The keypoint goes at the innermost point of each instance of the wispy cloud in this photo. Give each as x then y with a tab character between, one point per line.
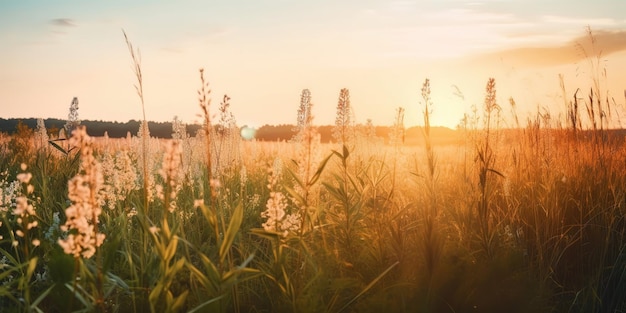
604	43
556	19
432	32
63	22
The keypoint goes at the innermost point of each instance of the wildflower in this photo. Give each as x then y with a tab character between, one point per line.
144	150
159	192
32	224
85	194
120	177
108	172
24	177
132	212
41	135
342	132
170	171
179	130
8	194
277	219
291	223
56	221
154	230
215	185
254	200
22	207
23	210
72	117
36	242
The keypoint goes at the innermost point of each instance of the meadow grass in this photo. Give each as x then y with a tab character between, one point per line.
545	234
530	219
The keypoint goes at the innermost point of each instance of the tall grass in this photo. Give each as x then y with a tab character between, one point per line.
529	219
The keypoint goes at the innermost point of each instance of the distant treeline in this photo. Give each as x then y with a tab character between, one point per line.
282	132
98	128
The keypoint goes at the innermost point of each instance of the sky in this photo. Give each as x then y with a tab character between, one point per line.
263	53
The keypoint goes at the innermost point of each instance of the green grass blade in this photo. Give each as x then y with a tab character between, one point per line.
200	307
231	232
368	287
55	145
43	295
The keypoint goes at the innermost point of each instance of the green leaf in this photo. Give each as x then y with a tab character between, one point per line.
171	249
7	293
115	281
203	279
200	307
180	300
169	301
240	270
43	295
32	263
369	286
210	216
319	171
247	261
271	235
7	272
177	267
295	177
212	272
294	194
155	294
231	232
9	257
111	246
54	144
77	294
233	276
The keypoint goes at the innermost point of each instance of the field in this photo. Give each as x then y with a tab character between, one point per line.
529	219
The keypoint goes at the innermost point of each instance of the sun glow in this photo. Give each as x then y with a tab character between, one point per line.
380	50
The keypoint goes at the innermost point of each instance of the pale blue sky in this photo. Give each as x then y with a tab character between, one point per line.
263	53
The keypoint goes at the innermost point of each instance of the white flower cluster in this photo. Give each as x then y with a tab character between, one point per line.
308	158
53	230
277	219
85	193
8	193
41	136
170	171
120	177
151	154
189	145
24	211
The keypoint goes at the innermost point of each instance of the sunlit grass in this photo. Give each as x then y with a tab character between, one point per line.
530	219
